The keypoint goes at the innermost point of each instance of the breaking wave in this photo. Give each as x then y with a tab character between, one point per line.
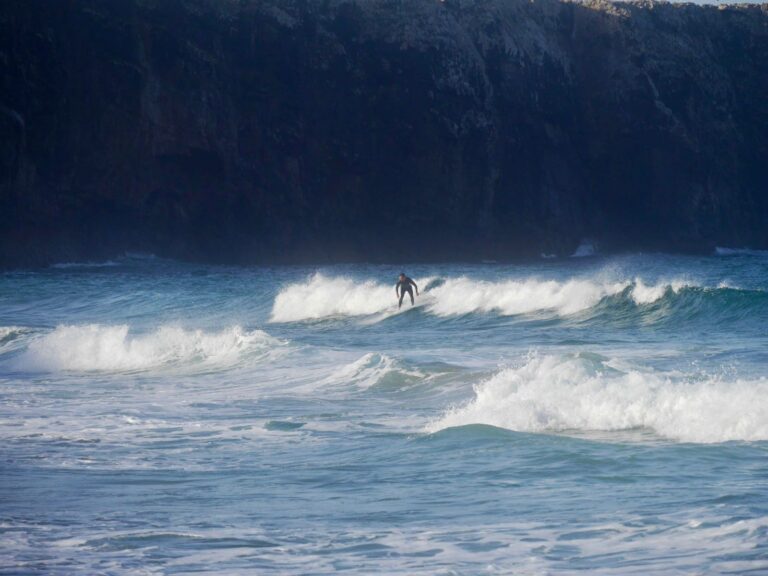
581	393
95	347
642	293
321	297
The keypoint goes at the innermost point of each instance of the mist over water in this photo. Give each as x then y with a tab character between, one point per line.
589	415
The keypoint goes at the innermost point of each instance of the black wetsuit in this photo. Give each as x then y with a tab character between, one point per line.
404	286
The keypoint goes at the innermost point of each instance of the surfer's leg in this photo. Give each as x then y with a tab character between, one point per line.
410	293
402	295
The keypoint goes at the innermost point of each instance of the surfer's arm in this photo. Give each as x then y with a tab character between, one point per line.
417	288
397	289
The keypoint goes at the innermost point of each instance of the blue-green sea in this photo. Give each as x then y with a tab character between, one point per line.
597	415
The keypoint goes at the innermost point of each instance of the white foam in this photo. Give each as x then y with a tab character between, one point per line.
111	348
573	393
463	296
323	297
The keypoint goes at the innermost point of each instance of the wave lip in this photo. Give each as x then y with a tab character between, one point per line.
558	394
95	347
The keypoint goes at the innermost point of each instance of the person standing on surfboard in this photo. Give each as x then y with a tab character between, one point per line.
404	285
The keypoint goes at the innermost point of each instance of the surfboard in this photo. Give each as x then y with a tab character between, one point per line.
392	311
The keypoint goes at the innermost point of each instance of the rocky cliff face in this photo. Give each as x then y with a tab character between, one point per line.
316	130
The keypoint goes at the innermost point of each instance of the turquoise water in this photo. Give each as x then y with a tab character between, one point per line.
591	416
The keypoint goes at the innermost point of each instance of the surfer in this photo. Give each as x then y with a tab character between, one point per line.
404	285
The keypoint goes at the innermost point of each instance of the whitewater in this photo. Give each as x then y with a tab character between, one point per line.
592	415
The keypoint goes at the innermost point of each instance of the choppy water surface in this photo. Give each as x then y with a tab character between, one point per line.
600	416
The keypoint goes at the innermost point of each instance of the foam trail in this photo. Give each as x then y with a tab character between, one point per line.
70	265
323	297
574	393
464	296
720	251
142	256
111	348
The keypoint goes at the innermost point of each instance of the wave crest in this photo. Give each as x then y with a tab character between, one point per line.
95	347
551	394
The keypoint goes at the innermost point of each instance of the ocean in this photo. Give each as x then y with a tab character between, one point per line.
597	415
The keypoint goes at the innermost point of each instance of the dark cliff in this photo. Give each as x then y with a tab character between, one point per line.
285	130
